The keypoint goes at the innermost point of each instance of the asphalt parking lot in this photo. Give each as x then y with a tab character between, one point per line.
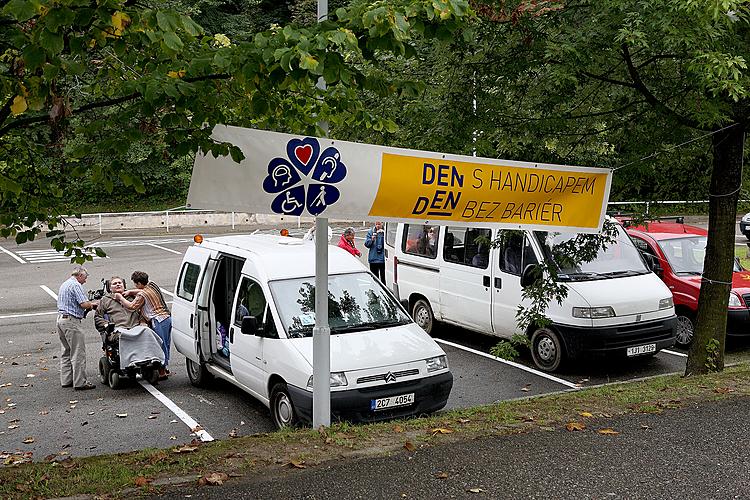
37	416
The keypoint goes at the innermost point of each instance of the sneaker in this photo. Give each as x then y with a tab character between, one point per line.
85	387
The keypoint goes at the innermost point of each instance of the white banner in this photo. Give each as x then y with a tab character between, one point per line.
296	175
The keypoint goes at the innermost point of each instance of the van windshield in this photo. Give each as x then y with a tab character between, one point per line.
686	255
356	302
619	258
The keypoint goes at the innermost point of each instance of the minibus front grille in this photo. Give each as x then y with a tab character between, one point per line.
382	376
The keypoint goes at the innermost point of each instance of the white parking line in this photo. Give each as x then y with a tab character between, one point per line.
19	259
27	315
164	248
194	426
511	363
675	353
50	292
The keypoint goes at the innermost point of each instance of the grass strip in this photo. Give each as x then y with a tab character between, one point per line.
129	474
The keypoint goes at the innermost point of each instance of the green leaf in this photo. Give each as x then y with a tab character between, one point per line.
57	17
167	21
53	42
99	252
236	154
190	26
21	238
34	57
173	41
259	104
7	184
22	10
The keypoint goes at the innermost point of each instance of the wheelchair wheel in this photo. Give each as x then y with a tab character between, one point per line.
115	381
104	370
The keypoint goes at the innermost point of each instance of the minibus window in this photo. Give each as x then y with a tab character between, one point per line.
468	247
356	302
390	234
188	281
421	240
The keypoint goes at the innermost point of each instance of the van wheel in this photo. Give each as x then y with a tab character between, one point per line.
422	314
114	379
198	374
684	330
547	350
103	370
282	407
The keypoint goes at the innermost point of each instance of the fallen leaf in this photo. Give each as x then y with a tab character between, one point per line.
608	432
233	433
409	446
197	428
644	426
30	375
214	479
12	427
8	384
441	430
151	417
121	415
24	385
73	402
142	481
463	420
398	428
442	475
90	413
475	490
575	426
28	440
525	388
723	390
85	422
73	407
527	418
173	421
297	464
172	437
184	449
586	414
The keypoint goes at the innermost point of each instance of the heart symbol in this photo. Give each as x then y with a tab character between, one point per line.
303	153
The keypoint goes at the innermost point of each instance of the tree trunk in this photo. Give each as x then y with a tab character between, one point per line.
707	351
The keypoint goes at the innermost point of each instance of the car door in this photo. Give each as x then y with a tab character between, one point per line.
511	256
464	277
246	349
185	313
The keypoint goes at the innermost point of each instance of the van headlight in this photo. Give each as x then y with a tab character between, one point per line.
436	363
593	312
666	303
338	379
734	300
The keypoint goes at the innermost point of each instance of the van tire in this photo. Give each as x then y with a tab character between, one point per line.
282	408
197	373
423	316
684	329
547	350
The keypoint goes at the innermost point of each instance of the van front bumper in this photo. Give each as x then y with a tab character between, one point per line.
595	342
430	395
738	322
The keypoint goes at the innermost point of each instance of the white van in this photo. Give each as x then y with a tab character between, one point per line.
615	304
244	311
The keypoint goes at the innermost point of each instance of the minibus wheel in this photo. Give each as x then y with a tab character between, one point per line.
547	349
684	330
197	373
282	407
422	314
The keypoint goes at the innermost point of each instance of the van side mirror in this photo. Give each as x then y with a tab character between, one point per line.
250	326
530	274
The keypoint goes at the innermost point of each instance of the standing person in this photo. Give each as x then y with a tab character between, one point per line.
376	256
150	301
71	307
347	242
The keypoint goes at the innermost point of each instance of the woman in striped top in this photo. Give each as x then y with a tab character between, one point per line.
150	302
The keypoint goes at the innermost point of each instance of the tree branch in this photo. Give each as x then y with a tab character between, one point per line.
603	78
651	98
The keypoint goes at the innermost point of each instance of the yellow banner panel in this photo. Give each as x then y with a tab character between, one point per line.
417	187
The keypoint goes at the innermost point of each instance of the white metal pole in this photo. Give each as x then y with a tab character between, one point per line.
100	223
167	212
321	332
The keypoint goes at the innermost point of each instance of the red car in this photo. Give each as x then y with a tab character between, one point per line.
675	251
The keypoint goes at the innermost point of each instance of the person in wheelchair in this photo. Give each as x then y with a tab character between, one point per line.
130	347
111	314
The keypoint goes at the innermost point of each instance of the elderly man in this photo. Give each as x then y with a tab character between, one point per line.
71	307
110	311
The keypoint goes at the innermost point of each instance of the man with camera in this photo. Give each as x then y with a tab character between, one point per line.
72	305
376	256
